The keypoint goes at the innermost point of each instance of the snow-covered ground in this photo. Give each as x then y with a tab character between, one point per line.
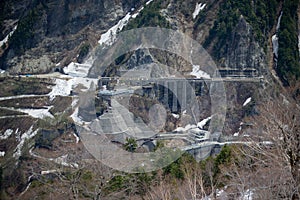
77	69
247	101
62	160
137	13
25	136
202	123
148	2
198	8
199	73
6	134
186	128
275	45
175	115
199	126
48	171
109	37
5	40
61	88
20	96
37	113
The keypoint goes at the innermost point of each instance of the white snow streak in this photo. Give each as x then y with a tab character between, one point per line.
76	137
198	8
109	37
202	123
186	128
37	113
176	115
25	136
275	37
62	160
275	45
6	134
5	40
247	101
137	13
77	69
199	73
62	88
148	2
48	171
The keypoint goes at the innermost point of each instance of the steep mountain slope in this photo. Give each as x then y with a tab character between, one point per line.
51	33
254	44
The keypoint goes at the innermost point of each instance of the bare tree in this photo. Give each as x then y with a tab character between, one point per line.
269	164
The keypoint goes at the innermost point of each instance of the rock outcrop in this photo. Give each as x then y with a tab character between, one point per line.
51	34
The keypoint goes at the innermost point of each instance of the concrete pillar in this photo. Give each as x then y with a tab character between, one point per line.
166	93
183	95
175	96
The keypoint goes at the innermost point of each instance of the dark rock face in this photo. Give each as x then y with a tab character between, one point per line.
52	32
243	51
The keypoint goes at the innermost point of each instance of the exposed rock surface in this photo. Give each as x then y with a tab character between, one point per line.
243	51
56	31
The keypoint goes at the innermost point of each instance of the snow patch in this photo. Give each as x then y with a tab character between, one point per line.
63	161
48	171
275	45
248	195
198	8
176	115
26	136
247	101
5	40
2	153
199	73
109	37
62	88
148	2
38	113
202	123
77	69
186	128
6	134
76	137
137	13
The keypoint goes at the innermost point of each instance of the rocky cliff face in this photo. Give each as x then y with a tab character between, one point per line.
51	34
242	50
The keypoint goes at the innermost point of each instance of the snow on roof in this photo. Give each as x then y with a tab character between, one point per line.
199	73
247	101
198	8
